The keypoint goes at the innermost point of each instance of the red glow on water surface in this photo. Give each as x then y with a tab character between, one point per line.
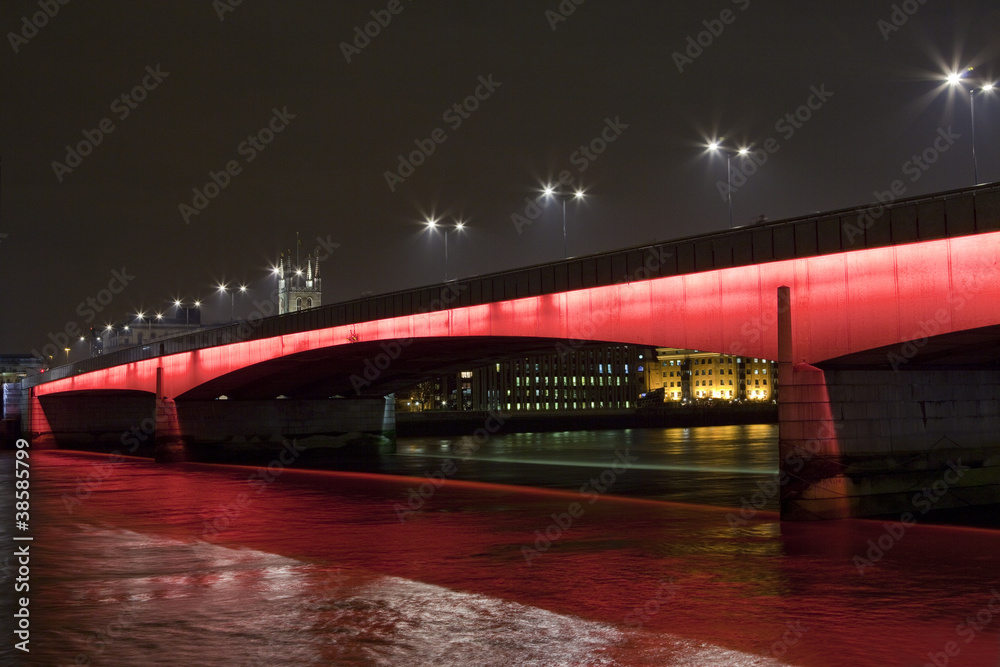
652	569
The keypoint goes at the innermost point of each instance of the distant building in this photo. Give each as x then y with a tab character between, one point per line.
298	288
15	367
143	331
588	378
686	375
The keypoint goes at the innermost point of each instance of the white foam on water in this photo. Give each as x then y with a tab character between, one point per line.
167	601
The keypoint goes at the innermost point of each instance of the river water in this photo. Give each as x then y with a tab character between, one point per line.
603	548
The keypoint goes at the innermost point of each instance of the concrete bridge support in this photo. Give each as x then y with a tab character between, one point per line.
171	431
881	442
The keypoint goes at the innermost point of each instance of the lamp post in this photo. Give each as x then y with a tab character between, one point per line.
550	191
232	299
187	310
715	146
432	224
243	290
459	226
955	79
140	316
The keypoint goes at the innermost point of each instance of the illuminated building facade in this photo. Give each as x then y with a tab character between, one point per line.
299	288
686	375
592	377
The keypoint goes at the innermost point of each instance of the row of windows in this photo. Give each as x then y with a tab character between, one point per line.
612	381
722	371
722	383
721	360
567	404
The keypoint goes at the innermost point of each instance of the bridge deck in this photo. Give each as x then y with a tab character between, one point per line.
941	215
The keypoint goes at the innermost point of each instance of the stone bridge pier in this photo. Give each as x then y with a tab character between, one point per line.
887	433
236	431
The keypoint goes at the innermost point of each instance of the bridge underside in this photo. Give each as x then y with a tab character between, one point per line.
376	368
899	431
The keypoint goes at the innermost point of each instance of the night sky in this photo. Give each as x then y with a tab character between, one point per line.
619	77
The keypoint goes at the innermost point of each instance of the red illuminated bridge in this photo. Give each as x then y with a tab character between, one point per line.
886	337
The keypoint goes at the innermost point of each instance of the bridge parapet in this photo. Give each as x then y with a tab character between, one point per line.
941	215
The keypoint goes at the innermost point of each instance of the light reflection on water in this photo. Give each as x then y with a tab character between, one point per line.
316	568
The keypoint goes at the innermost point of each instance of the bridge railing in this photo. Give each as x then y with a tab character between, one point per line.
939	215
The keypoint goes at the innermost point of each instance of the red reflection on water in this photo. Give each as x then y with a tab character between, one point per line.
654	569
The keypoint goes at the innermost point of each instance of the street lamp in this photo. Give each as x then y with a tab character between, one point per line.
66	349
243	290
224	289
140	316
432	224
955	79
550	191
714	147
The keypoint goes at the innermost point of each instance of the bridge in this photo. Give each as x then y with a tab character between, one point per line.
884	319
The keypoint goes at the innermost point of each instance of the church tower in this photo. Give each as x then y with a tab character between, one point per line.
299	288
